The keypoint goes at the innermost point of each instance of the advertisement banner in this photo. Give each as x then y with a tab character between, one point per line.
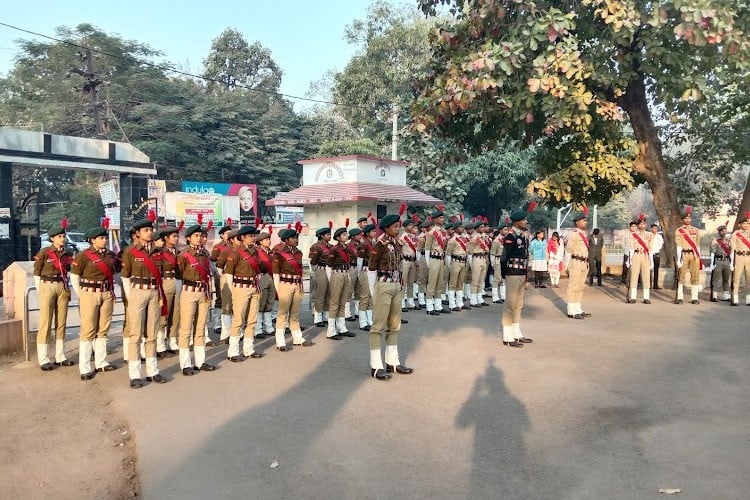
157	191
247	195
186	207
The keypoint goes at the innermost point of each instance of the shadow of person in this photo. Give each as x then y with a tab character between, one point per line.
499	468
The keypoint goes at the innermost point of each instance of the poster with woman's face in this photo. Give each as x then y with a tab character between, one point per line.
247	194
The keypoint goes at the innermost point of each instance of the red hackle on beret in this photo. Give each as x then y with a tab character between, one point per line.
330	224
200	219
346	222
441	208
402	209
64	222
532	206
688	210
105	223
210	224
151	215
415	218
180	226
229	221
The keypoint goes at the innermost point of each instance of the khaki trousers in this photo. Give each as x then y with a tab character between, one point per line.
172	319
497	275
721	276
267	293
409	273
640	265
245	303
354	281
741	267
515	288
321	295
226	295
363	290
435	279
290	302
339	289
457	276
689	265
194	307
423	271
578	271
95	308
143	316
386	313
478	273
53	301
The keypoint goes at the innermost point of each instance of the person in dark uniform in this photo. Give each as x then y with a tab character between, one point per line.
364	250
384	280
166	339
142	284
514	265
287	277
264	326
318	255
596	246
51	266
92	277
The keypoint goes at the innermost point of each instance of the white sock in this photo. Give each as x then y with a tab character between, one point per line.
517	331
391	355
42	354
200	355
60	350
134	370
100	352
508	335
185	361
646	294
85	348
694	292
376	361
151	367
680	292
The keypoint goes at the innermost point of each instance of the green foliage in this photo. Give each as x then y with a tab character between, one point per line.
343	147
83	207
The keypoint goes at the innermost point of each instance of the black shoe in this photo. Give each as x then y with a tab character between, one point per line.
365	328
217	329
433	313
237	359
209	343
444	311
157	378
187	372
87	376
678	301
379	374
205	367
256	355
513	344
307	343
575	316
404	309
646	301
695	302
630	301
403	370
107	368
416	308
65	362
456	309
497	301
161	355
476	305
423	306
321	324
484	304
335	337
349	334
136	383
404	321
465	307
172	352
48	367
351	318
282	348
445	302
731	304
525	340
542	286
714	299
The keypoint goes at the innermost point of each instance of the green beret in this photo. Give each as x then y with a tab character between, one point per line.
166	231
95	232
368	228
468	225
354	232
157	235
389	220
232	234
479	224
746	218
339	232
449	225
192	230
407	223
323	230
55	231
438	213
246	230
518	214
262	236
224	229
426	224
582	215
361	219
285	234
143	223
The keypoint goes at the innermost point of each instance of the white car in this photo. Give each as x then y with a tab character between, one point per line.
75	242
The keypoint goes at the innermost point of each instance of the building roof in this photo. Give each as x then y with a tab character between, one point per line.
352	157
351	191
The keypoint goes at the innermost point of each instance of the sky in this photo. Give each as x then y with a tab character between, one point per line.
305	37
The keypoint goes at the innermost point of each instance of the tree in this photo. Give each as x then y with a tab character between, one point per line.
574	71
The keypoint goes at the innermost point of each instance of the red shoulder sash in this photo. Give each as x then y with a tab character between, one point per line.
95	259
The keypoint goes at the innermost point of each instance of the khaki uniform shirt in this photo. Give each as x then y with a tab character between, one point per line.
385	256
237	266
737	244
45	265
281	265
577	244
681	241
85	265
455	247
188	270
135	267
435	241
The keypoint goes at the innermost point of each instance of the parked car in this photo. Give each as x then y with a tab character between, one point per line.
74	242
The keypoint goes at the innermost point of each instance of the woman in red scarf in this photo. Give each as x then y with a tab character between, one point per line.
555	253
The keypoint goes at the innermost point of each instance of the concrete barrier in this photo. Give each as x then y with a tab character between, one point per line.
11	336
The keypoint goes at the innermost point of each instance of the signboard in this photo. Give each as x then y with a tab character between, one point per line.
247	196
114	216
289	215
157	201
186	207
108	191
4	212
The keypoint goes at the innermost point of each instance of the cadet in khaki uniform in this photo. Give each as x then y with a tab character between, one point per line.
363	259
194	264
409	244
166	339
220	252
384	279
422	267
287	277
478	253
133	233
434	254
688	257
469	227
578	269
640	261
513	266
318	256
355	238
740	263
264	326
496	253
142	284
339	263
455	259
93	279
721	276
51	266
222	245
242	269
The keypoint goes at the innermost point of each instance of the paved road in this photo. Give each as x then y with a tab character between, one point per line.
634	399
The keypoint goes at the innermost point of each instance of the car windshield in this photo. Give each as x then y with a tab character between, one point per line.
77	237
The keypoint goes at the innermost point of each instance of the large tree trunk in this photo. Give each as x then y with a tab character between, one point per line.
744	205
650	163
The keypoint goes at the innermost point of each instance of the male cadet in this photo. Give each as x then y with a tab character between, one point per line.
223	245
513	266
596	247
688	257
51	266
339	262
287	276
434	254
657	242
264	326
496	253
318	255
455	260
409	243
133	234
478	251
142	284
740	263
632	228
469	231
168	325
449	229
640	261
363	221
224	295
422	267
92	275
194	265
363	259
242	269
720	261
578	269
384	279
355	237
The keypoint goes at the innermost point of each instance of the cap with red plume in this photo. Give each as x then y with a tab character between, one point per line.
330	224
531	207
373	220
210	225
200	219
641	217
298	226
508	221
585	210
228	221
289	226
461	217
688	211
429	217
270	229
415	218
453	218
64	222
369	215
151	215
346	222
105	223
747	217
402	210
180	226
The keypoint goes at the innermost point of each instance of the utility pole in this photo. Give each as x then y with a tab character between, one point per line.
91	83
394	134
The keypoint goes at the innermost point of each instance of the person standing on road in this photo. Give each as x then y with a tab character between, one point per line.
287	277
409	244
167	338
740	263
338	268
578	269
477	253
384	279
318	256
514	265
640	261
434	252
632	228
264	326
720	262
688	257
363	259
596	254
455	260
657	243
223	300
556	254
51	266
538	253
422	268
